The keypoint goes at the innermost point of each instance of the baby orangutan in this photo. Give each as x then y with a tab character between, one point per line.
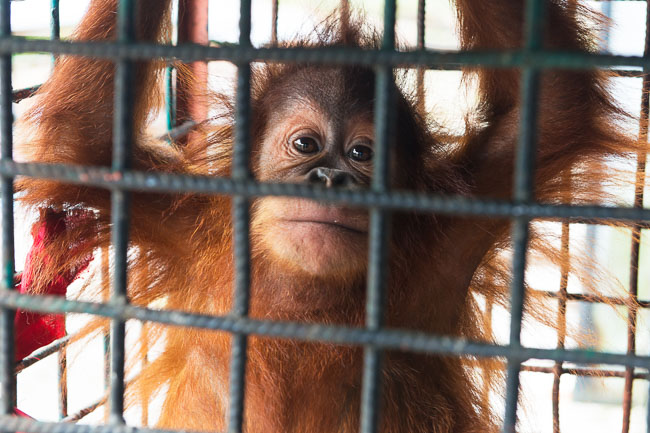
314	124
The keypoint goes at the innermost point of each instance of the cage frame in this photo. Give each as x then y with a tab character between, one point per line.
375	337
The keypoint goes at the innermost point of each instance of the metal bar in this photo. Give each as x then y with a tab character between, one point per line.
56	345
145	394
420	46
575	371
20	94
636	235
582	371
379	230
326	55
55	22
120	204
375	306
386	338
241	219
190	101
418	202
593	299
170	98
274	22
106	338
534	17
42	353
7	377
561	320
520	241
22	424
62	365
82	413
55	25
178	132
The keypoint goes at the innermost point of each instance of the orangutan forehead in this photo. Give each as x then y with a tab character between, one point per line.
335	92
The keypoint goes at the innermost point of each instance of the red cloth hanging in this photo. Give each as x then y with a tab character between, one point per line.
35	330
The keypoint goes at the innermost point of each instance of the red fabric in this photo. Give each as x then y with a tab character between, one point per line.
21	413
34	330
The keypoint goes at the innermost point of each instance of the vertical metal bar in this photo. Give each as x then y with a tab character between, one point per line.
170	98
106	338
145	394
7	377
241	171
55	22
190	96
523	193
379	234
647	418
55	34
121	202
63	383
420	46
636	235
55	25
561	320
274	23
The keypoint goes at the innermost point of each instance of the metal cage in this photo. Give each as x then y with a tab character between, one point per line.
120	179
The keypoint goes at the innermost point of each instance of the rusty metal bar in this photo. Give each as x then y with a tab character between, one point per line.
592	299
420	97
274	23
561	319
379	236
583	371
636	236
45	351
241	230
191	104
523	192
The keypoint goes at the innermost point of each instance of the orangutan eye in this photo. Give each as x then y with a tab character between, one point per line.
360	153
306	145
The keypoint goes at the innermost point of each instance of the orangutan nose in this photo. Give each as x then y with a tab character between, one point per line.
330	177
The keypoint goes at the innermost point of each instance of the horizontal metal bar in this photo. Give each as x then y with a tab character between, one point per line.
620	224
419	202
41	353
582	371
386	339
82	413
21	424
326	55
178	132
594	299
629	73
20	94
62	342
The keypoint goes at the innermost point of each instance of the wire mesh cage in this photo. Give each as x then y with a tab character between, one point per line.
375	337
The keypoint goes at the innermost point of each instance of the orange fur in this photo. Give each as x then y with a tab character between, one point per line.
440	265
